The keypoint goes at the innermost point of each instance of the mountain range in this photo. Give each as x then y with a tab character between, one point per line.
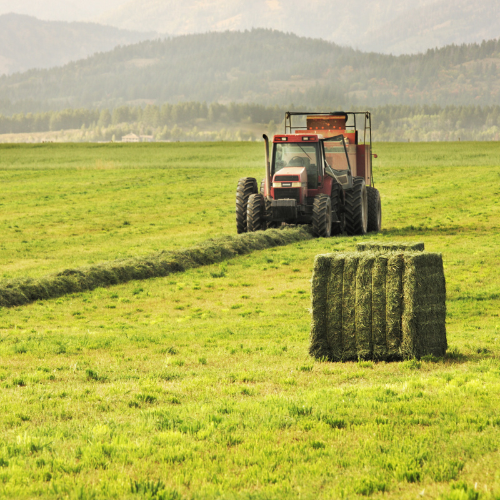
389	26
259	66
27	42
383	26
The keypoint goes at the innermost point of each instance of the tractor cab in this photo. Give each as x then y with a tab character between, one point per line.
289	154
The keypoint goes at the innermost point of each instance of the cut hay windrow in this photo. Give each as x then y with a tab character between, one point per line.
382	246
21	291
370	305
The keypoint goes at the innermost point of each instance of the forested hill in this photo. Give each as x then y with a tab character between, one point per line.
27	42
259	66
386	26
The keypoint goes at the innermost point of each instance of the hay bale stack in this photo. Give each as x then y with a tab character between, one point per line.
381	306
383	246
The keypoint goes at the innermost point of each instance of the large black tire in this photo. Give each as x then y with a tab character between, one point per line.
269	214
322	216
337	227
246	187
356	208
374	210
256	213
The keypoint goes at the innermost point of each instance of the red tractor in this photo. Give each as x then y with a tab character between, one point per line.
319	174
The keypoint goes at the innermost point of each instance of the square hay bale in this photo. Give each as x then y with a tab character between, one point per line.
319	347
363	301
394	305
424	313
334	306
350	349
379	307
382	246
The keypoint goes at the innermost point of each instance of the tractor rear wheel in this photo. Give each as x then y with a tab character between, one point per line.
374	210
356	208
322	216
246	187
337	227
256	213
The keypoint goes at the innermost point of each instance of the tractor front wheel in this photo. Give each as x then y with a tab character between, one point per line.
322	216
356	208
256	213
246	187
374	210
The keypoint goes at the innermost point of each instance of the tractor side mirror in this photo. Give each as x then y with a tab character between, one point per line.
375	156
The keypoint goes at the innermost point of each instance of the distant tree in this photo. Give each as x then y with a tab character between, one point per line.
104	118
271	127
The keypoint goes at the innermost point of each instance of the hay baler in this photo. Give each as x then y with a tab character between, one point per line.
320	174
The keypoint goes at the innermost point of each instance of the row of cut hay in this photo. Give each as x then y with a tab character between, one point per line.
370	305
25	290
382	246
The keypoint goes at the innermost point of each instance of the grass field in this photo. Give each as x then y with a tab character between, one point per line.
199	385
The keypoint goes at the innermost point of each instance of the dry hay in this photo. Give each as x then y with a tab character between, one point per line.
369	305
382	246
25	290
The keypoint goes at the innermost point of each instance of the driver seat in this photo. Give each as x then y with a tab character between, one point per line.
299	161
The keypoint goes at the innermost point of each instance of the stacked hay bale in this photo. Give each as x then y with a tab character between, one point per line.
378	305
379	246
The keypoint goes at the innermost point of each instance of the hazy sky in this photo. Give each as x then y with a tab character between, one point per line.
60	10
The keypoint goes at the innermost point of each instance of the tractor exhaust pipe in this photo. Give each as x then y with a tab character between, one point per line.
267	189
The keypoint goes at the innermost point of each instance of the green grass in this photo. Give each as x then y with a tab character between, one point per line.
199	385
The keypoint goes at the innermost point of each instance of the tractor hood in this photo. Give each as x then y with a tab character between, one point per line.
295	175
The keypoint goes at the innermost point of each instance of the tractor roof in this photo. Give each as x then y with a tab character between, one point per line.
298	137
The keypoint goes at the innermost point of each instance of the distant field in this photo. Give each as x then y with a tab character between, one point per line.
199	385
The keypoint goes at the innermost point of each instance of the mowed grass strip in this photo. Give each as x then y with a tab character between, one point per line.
24	290
200	385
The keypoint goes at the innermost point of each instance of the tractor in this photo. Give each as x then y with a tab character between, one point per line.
319	174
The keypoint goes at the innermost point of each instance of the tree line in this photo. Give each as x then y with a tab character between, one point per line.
189	114
193	121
